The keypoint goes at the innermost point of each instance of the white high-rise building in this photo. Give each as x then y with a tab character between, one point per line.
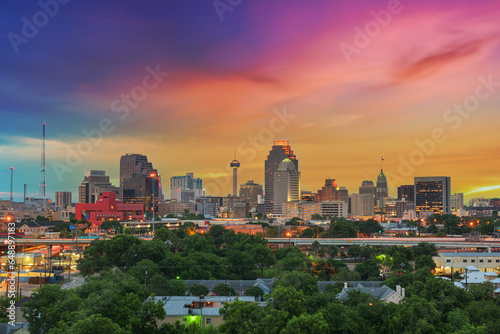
286	185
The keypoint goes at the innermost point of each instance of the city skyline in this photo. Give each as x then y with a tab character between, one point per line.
342	95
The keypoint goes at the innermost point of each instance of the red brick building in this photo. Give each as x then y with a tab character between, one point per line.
108	208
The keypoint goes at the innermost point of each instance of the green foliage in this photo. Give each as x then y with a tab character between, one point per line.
368	269
341	228
369	227
305	324
304	282
241	317
198	290
254	291
425	262
223	289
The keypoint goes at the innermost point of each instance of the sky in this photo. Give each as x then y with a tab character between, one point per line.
192	83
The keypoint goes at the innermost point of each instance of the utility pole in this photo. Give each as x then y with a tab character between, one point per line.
226	281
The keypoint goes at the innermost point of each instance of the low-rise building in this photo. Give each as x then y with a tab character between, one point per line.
384	293
202	311
450	262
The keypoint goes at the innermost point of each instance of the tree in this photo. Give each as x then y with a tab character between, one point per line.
315	246
424	248
300	281
95	323
223	289
368	269
198	289
432	229
305	324
254	291
241	317
354	250
426	262
347	275
369	227
341	229
332	250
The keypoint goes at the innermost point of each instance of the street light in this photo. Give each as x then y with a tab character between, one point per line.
289	235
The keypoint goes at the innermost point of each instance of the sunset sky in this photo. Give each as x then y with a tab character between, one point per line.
346	82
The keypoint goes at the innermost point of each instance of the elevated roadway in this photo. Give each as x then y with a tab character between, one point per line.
389	241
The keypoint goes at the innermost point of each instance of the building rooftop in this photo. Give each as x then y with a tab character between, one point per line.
473	254
378	292
174	305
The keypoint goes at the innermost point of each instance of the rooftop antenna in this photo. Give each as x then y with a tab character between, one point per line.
11	195
41	190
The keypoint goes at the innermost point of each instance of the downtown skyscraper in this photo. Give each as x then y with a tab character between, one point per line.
280	151
432	194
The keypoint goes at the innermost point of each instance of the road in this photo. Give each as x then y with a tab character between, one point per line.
75	282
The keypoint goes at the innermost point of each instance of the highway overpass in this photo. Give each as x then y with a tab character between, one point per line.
389	241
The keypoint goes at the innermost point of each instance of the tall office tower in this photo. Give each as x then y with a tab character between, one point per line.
63	199
280	151
432	194
142	189
332	192
362	204
286	185
94	183
406	192
234	165
367	187
249	193
131	164
457	201
382	190
180	184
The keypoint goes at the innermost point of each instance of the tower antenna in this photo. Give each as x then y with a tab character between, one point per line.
41	190
24	198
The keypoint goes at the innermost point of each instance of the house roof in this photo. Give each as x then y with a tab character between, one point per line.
322	284
470	254
265	284
491	274
378	292
174	305
496	280
8	329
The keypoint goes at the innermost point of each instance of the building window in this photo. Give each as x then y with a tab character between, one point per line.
465	261
448	261
472	261
489	261
497	261
208	320
480	261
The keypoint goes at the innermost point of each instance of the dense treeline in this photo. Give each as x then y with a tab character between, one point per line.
131	269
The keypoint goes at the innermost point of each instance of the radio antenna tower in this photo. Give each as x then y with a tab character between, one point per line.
41	192
11	195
